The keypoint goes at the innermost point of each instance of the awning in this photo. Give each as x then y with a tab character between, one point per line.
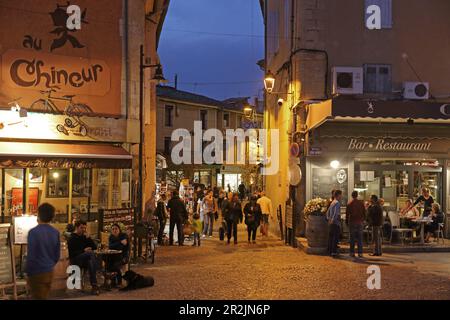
62	155
347	110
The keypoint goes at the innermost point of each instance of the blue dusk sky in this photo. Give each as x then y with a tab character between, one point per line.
213	46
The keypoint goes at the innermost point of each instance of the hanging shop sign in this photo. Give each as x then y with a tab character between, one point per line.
55	62
341	176
61	127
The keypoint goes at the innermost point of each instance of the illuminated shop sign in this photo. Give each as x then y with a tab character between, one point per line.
384	145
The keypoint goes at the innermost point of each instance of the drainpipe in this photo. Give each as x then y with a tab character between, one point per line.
127	64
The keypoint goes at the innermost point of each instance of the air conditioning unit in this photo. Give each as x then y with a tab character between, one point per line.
348	80
416	90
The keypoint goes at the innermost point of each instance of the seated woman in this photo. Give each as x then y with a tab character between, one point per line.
438	217
118	241
408	214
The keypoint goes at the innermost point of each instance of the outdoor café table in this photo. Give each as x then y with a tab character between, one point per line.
423	222
105	254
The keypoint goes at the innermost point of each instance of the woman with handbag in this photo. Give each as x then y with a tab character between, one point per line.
253	215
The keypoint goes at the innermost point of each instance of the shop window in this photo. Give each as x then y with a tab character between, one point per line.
58	183
80	182
125	187
325	180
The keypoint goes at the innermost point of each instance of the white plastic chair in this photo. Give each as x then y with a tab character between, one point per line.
394	217
440	233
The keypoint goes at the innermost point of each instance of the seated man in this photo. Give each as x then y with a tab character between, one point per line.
81	253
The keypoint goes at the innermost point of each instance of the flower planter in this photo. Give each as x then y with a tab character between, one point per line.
317	231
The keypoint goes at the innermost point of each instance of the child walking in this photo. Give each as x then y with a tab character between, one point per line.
197	228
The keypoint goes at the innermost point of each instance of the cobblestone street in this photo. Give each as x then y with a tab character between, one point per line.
271	270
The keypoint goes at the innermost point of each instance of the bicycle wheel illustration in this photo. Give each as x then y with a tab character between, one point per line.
62	129
43	106
69	123
78	109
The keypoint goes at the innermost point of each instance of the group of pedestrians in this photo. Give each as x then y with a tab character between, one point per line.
214	205
357	213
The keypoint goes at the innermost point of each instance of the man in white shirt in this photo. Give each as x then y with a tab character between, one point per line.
266	208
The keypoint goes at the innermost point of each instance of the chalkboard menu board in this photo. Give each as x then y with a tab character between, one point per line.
6	263
110	216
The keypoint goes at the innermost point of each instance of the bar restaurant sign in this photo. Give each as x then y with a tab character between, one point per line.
50	67
383	145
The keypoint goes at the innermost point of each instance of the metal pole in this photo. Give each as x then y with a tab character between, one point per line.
141	147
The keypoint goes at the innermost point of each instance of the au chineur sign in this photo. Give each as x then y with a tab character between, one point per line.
80	59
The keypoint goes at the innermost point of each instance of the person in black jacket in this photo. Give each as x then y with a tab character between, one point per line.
375	217
161	213
233	216
253	215
118	241
178	215
81	253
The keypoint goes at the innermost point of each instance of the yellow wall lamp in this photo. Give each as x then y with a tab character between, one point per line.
269	84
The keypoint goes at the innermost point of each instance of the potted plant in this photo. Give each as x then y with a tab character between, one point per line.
316	223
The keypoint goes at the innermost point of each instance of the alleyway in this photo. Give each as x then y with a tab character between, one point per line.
271	270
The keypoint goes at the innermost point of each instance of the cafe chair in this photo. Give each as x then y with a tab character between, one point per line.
440	233
395	227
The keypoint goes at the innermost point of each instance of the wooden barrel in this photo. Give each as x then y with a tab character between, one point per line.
317	232
59	284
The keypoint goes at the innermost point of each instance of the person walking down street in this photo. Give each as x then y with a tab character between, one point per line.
210	209
178	215
161	213
241	190
334	223
233	217
266	208
197	228
354	217
252	211
375	217
81	253
43	253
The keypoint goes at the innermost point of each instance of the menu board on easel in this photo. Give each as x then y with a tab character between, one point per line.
7	263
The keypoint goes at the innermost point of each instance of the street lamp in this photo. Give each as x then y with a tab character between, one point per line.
248	112
159	77
269	84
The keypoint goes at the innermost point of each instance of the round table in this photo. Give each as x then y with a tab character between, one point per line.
423	222
105	254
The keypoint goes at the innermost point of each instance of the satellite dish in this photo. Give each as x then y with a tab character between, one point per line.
295	175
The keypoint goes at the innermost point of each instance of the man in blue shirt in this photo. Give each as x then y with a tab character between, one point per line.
43	253
334	223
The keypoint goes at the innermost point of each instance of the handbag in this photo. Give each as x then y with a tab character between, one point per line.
187	229
216	215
